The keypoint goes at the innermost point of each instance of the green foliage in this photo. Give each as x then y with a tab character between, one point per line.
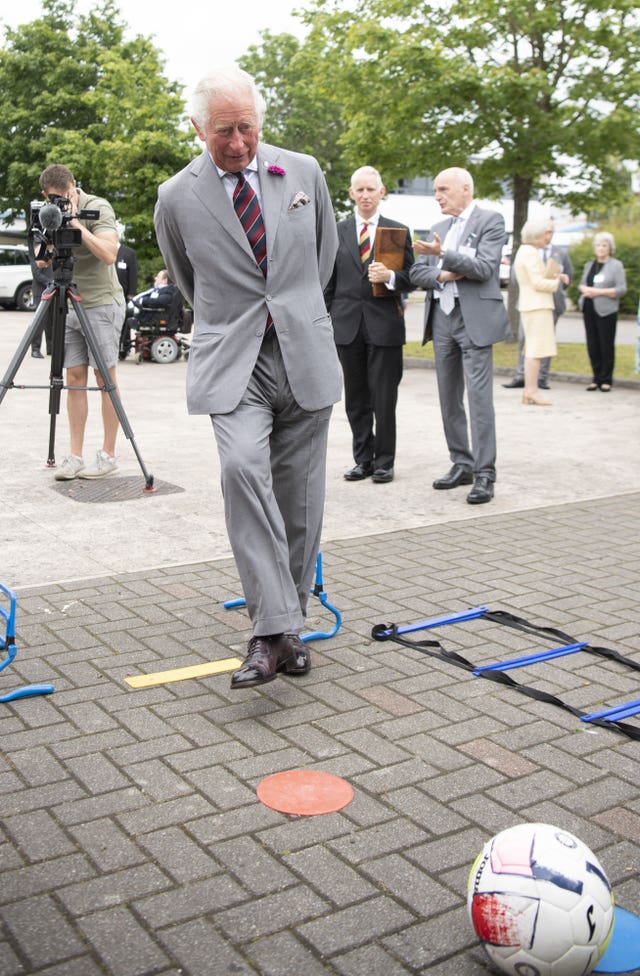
541	97
303	113
627	250
75	91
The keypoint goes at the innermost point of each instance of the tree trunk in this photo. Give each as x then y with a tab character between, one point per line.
521	196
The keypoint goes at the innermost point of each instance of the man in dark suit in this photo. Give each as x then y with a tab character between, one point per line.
248	234
127	270
561	257
465	314
369	331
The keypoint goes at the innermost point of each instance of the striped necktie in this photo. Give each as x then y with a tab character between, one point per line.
364	242
249	214
248	210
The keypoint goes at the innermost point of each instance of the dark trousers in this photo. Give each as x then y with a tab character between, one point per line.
372	375
601	338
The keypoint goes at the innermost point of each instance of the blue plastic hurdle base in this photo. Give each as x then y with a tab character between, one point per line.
8	642
316	590
623	952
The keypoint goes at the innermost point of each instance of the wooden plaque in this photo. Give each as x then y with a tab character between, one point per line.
388	248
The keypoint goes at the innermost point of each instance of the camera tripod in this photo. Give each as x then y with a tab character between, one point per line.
53	307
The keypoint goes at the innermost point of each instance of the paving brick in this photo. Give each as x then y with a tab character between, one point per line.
355	926
122	944
41	931
112	889
195	944
254	866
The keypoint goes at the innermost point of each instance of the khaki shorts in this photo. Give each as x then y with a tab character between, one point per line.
106	325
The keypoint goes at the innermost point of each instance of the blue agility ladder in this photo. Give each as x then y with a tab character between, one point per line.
317	590
8	643
609	718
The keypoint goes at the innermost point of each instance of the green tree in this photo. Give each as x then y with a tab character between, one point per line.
76	91
303	113
539	97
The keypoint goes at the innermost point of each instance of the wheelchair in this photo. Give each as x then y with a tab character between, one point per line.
158	329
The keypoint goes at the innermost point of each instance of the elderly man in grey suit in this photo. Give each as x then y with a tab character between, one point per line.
249	236
464	312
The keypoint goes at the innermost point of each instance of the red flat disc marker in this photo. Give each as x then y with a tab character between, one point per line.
304	792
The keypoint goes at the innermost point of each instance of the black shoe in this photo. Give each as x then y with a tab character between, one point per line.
36	354
543	385
514	384
360	472
458	475
261	662
481	492
298	659
382	476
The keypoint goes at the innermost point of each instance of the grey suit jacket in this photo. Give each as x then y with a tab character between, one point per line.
481	304
613	276
208	256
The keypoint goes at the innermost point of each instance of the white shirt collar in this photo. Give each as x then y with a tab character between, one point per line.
251	167
370	222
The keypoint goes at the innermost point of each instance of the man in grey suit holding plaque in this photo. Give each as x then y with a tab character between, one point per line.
248	234
465	315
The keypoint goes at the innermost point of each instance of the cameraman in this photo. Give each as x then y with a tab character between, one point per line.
103	301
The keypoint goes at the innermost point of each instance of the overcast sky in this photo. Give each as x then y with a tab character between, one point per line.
192	35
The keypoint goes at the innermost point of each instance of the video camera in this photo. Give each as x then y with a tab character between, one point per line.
50	224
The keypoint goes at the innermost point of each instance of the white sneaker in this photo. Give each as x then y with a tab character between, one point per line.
70	468
101	467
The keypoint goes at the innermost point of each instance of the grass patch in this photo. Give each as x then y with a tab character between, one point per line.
572	358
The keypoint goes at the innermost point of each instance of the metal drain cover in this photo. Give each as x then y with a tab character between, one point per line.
111	489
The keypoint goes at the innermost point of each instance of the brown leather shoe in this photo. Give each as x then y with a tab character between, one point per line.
260	664
297	659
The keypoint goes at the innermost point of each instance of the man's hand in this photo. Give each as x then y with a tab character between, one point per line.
429	247
445	276
378	272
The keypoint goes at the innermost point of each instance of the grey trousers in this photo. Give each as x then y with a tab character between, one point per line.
460	363
273	471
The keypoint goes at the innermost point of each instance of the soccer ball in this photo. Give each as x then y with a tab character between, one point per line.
540	902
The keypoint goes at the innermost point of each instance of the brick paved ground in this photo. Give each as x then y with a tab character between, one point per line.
132	841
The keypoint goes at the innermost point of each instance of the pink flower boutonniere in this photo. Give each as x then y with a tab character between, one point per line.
276	170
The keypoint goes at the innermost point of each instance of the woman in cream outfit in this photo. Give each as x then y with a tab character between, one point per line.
535	303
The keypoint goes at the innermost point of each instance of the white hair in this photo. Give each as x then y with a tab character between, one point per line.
224	82
458	174
535	228
366	171
604	237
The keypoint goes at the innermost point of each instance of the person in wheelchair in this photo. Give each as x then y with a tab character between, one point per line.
158	311
164	296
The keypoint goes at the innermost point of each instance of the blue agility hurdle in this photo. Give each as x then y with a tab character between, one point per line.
8	644
316	590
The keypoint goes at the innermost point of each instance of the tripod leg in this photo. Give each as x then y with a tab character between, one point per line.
109	385
25	344
56	300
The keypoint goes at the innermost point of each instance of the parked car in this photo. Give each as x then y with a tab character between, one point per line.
16	284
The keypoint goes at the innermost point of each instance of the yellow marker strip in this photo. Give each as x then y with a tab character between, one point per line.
183	674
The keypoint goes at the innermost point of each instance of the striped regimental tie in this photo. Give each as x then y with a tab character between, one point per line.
364	242
250	216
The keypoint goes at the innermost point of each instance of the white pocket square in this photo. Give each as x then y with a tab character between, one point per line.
300	199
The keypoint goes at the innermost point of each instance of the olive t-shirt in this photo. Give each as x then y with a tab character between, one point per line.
97	281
